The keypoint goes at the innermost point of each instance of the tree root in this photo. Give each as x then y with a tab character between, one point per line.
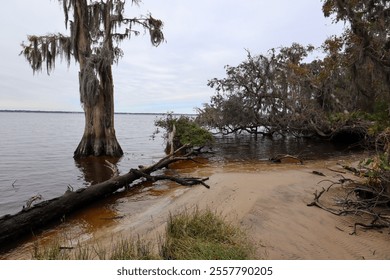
359	201
318	204
369	226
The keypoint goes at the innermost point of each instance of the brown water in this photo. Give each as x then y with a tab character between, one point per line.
36	153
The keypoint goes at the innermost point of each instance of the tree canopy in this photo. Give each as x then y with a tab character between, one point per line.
284	92
96	29
275	92
105	23
365	46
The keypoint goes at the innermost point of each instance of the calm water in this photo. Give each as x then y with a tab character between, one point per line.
36	153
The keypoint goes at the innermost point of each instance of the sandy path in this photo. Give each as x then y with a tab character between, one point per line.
267	200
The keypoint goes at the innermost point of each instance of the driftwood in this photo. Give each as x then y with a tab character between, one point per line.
315	172
371	204
39	215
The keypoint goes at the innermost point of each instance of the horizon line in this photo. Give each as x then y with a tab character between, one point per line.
81	112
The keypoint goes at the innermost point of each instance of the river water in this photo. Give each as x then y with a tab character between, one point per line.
36	153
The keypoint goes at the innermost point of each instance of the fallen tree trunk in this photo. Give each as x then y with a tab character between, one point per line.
32	218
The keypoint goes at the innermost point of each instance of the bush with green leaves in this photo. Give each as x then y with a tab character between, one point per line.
186	131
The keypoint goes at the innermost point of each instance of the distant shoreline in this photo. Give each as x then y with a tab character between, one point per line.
80	112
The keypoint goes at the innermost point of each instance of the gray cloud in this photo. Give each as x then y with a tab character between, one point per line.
202	36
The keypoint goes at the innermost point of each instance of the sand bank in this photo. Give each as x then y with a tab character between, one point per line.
268	200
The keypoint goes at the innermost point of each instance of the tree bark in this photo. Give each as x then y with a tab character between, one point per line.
99	137
33	218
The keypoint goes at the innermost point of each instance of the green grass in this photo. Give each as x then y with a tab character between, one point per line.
127	249
203	235
197	235
124	249
55	251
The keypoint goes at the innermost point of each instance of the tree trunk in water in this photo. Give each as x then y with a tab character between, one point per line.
96	94
99	137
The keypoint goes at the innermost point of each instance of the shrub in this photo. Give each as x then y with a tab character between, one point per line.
185	131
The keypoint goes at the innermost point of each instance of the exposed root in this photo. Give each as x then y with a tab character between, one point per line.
370	204
369	226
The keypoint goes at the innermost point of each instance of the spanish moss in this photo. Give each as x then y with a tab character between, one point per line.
105	21
97	28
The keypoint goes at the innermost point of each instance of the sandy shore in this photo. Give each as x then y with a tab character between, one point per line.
268	200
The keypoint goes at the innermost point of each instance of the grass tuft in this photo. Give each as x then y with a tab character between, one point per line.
127	249
203	235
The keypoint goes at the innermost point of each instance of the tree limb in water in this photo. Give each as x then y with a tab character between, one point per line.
41	214
187	181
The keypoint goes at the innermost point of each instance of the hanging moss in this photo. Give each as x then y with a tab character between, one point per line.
102	20
89	86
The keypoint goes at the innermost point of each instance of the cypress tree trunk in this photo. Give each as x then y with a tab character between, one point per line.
99	137
96	93
93	28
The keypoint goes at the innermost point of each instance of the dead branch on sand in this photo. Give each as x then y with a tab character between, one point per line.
369	203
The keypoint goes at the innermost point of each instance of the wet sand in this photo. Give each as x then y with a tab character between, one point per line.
269	201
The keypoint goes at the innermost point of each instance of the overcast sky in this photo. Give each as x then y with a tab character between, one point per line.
202	37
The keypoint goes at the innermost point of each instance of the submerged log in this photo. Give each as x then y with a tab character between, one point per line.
286	159
32	218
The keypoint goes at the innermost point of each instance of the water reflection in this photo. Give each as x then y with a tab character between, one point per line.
95	169
81	225
246	147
